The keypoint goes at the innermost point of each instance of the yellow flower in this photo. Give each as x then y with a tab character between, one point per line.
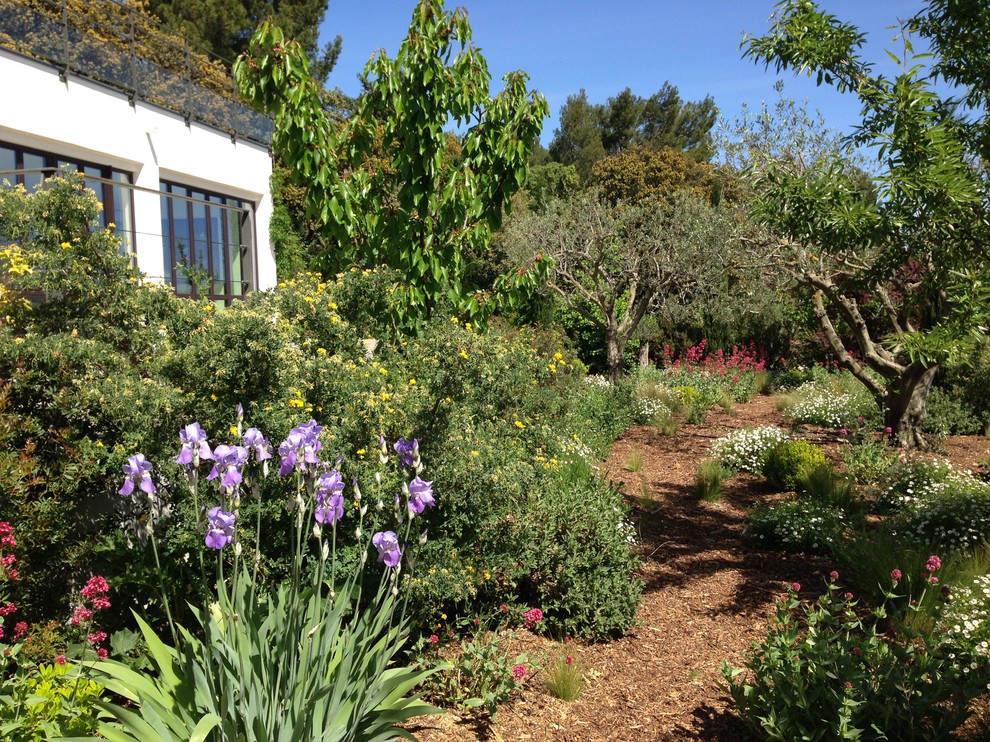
518	424
475	453
412	382
308	298
558	356
296	403
361	452
65	245
383	371
213	397
463	355
233	430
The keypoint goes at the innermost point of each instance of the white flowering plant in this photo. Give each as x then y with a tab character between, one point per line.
796	525
747	449
964	625
959	518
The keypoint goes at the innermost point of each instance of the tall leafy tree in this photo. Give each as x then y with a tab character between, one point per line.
898	274
577	140
386	184
224	27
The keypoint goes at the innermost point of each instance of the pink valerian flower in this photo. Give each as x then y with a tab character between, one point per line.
95	587
796	587
434	639
569	660
518	672
7	609
60	659
20	630
81	614
96	637
532	617
101	653
896	574
934	564
833	576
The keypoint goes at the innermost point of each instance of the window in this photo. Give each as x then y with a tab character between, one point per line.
112	187
204	237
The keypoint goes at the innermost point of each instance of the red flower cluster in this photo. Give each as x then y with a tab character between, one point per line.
532	617
7	541
95	593
740	360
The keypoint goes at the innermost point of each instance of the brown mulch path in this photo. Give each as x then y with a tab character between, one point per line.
708	594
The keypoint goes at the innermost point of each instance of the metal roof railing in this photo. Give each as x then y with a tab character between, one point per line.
109	42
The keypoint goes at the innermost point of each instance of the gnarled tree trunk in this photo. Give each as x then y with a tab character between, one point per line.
905	404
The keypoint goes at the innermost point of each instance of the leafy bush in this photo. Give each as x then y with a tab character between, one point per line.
583	591
796	525
747	449
965	624
824	672
788	464
48	702
946	415
868	461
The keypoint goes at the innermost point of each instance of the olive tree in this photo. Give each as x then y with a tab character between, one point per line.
895	265
614	264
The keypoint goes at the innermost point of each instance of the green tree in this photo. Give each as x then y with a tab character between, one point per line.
588	132
439	205
577	140
224	27
897	274
613	265
640	175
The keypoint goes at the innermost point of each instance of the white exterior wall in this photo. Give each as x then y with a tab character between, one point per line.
88	121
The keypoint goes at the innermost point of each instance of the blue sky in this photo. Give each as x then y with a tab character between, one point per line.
603	47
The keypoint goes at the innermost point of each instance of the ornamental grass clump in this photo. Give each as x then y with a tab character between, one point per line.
310	659
747	449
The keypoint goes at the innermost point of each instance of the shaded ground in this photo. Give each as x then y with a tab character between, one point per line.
708	594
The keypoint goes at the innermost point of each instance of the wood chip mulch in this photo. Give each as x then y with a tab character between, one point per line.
708	595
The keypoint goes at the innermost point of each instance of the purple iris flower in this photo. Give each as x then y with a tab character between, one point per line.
219	528
193	439
330	509
228	461
137	471
300	447
420	495
408	451
387	544
255	441
329	498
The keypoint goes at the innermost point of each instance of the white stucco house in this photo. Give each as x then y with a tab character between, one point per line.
184	180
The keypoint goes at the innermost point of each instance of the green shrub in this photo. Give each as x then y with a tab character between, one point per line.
825	672
823	484
947	415
48	702
583	591
790	462
868	461
958	519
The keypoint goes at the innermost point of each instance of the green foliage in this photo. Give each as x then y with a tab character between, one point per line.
832	400
826	672
823	484
791	462
49	702
442	207
796	525
947	415
868	461
564	677
958	519
584	592
640	175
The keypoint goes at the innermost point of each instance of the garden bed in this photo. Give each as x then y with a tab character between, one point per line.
708	596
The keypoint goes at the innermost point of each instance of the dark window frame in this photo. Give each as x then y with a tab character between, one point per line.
211	202
53	163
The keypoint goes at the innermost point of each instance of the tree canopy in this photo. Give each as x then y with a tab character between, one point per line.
588	132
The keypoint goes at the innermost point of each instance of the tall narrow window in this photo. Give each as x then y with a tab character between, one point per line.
204	243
